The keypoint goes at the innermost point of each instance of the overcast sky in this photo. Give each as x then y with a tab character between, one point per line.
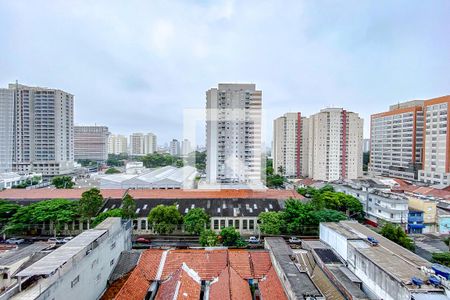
135	65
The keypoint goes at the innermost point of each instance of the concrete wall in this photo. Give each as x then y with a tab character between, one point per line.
87	278
336	241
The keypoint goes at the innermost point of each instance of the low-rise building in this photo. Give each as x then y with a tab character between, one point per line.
428	207
214	273
11	179
385	269
415	221
78	269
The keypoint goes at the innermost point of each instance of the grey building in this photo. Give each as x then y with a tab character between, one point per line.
91	142
6	129
42	130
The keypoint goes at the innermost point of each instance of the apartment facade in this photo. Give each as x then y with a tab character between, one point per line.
290	145
397	141
186	147
117	144
174	147
43	134
436	150
149	143
233	131
91	142
335	138
6	129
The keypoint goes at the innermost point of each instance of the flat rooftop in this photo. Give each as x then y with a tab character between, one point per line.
13	256
300	282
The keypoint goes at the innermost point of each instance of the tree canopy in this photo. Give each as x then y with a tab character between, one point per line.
195	220
128	207
7	210
230	236
165	218
63	182
271	222
112	171
90	203
273	180
208	238
57	211
441	258
397	235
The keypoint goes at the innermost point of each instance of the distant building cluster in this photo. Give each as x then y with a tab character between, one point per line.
325	146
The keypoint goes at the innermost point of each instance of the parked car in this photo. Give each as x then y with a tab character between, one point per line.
252	240
55	240
294	240
15	241
67	238
142	240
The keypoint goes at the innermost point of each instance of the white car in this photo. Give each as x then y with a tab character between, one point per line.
15	241
55	240
67	238
252	240
294	240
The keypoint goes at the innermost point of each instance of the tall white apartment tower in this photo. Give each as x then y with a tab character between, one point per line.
43	130
397	140
290	145
186	147
174	147
233	134
149	143
335	145
436	150
117	144
6	129
136	144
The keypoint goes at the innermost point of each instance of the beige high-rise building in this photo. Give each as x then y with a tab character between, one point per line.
397	140
326	146
436	150
117	144
174	147
335	145
233	134
137	144
290	145
43	130
91	142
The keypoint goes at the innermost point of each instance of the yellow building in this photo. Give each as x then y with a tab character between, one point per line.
429	211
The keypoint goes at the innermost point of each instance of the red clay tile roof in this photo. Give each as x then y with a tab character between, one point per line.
40	194
240	261
114	288
261	263
270	286
137	284
182	284
220	287
239	287
208	264
214	194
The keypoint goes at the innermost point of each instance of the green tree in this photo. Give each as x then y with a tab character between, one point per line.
327	215
208	238
195	220
271	222
128	207
230	236
112	171
441	258
7	210
116	160
57	212
397	235
63	182
164	218
117	212
275	181
90	203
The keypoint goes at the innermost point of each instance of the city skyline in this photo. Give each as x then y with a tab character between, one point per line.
131	74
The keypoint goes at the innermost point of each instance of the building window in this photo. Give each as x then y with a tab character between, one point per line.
251	224
222	223
236	224
216	224
111	262
113	245
244	224
230	223
143	225
75	281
